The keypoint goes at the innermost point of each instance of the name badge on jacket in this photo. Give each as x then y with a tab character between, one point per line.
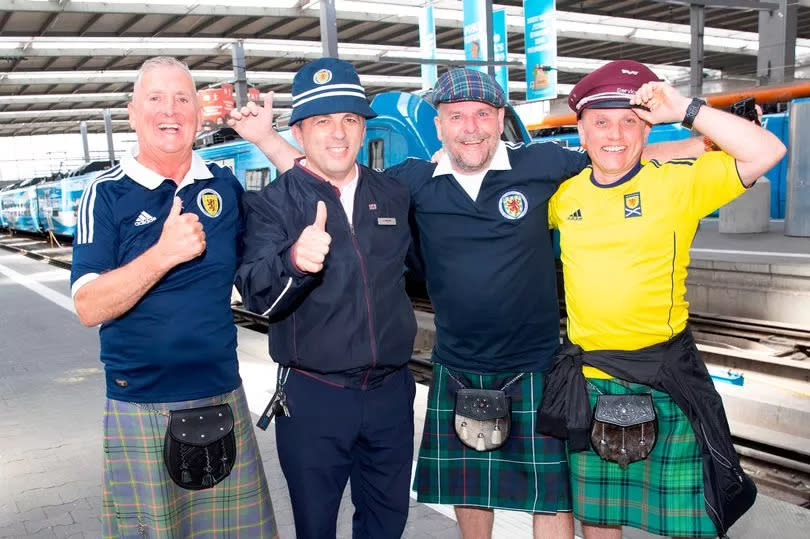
387	221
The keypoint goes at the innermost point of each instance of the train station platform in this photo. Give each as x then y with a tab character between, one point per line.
51	405
763	276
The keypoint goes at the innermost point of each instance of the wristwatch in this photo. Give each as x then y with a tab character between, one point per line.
692	112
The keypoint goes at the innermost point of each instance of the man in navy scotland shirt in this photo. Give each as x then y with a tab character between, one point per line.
153	263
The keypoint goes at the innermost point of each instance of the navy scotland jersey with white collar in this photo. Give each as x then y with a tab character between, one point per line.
489	262
179	341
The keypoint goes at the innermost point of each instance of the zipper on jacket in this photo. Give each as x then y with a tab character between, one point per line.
364	274
372	338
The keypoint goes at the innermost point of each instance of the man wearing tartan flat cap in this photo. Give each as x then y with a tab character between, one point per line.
325	245
626	224
481	220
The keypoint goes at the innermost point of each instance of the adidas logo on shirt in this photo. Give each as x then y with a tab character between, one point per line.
575	215
144	219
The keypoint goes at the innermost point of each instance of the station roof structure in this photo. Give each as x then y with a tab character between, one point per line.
62	61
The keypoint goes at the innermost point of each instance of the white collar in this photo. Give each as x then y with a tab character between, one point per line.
500	161
151	179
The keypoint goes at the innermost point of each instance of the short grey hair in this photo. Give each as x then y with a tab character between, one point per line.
158	62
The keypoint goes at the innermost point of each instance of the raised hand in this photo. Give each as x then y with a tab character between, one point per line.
182	238
253	122
665	103
309	252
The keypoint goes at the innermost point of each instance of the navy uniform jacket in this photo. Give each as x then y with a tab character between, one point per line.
489	263
352	323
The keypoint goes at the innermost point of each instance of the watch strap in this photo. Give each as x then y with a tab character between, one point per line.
692	112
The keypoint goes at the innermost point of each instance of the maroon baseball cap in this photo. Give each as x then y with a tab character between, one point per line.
610	87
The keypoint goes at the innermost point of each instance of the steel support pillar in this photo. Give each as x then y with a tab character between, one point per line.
329	39
697	21
490	42
777	43
239	76
85	144
109	130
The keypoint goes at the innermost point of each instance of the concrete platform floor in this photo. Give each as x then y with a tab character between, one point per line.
51	402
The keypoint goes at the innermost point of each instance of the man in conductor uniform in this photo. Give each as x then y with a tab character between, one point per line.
325	245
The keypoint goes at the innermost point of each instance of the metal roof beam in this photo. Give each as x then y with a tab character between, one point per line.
6	117
569	24
59	124
166	25
246	21
48	24
202	25
3	20
132	21
63	98
277	49
89	24
726	4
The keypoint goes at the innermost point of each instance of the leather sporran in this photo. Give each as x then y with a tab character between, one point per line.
200	448
483	418
624	428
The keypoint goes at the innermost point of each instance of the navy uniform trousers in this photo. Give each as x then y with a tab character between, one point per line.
335	434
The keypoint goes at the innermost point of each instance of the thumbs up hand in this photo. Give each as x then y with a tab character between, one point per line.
309	252
182	238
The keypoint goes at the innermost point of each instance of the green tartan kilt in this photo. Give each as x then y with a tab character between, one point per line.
662	494
139	499
529	473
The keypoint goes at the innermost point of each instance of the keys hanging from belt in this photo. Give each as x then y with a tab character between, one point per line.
277	407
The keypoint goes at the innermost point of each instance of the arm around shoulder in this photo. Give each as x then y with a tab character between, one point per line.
254	123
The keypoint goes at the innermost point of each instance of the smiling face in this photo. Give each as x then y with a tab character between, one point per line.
165	114
331	143
469	132
614	139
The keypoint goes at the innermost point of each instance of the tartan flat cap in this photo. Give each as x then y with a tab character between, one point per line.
468	85
610	87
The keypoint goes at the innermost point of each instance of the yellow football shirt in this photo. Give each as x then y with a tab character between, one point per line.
625	247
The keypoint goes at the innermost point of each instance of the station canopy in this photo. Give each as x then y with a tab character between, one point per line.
62	61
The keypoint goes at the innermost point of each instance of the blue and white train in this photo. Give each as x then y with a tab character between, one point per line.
403	128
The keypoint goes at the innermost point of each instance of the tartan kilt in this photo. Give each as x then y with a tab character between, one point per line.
139	499
528	473
662	494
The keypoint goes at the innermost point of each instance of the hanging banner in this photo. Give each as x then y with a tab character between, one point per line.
427	46
475	32
500	49
541	49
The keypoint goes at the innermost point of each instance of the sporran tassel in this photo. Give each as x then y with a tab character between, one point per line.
223	469
480	445
496	434
464	432
207	479
185	474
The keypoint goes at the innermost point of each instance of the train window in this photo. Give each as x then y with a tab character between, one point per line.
256	178
376	150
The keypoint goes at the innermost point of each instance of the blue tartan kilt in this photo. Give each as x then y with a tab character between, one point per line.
139	499
528	473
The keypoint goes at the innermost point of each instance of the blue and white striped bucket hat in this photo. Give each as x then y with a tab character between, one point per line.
327	86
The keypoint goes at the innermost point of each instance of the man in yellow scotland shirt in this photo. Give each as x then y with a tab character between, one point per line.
626	226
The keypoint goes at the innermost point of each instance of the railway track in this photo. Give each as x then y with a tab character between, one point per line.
779	472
